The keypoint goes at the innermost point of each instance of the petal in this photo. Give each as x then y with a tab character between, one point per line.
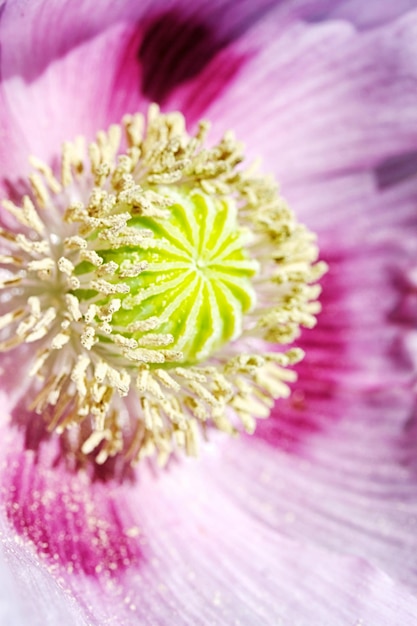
367	235
363	15
371	13
36	33
208	548
312	100
351	487
207	562
39	116
179	41
335	465
29	594
11	610
72	526
81	69
369	243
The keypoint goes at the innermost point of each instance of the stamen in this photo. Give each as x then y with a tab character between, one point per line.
158	280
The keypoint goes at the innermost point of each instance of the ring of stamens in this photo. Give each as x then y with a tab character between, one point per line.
165	228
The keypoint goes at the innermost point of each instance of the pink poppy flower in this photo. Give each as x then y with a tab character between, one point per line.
311	520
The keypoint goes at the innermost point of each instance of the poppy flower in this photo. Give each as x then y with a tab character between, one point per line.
310	519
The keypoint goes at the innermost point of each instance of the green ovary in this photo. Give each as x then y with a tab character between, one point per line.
198	279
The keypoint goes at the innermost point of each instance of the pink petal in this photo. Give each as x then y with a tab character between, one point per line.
371	13
63	26
57	105
208	549
312	100
12	612
29	594
207	561
362	14
352	488
108	60
349	480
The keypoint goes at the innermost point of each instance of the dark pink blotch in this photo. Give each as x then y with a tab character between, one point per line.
176	49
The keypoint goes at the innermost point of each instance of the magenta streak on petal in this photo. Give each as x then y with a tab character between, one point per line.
73	523
404	316
405	313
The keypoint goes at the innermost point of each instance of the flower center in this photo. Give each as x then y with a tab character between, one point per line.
196	276
157	280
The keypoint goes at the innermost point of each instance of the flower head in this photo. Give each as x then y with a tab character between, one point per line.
312	519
